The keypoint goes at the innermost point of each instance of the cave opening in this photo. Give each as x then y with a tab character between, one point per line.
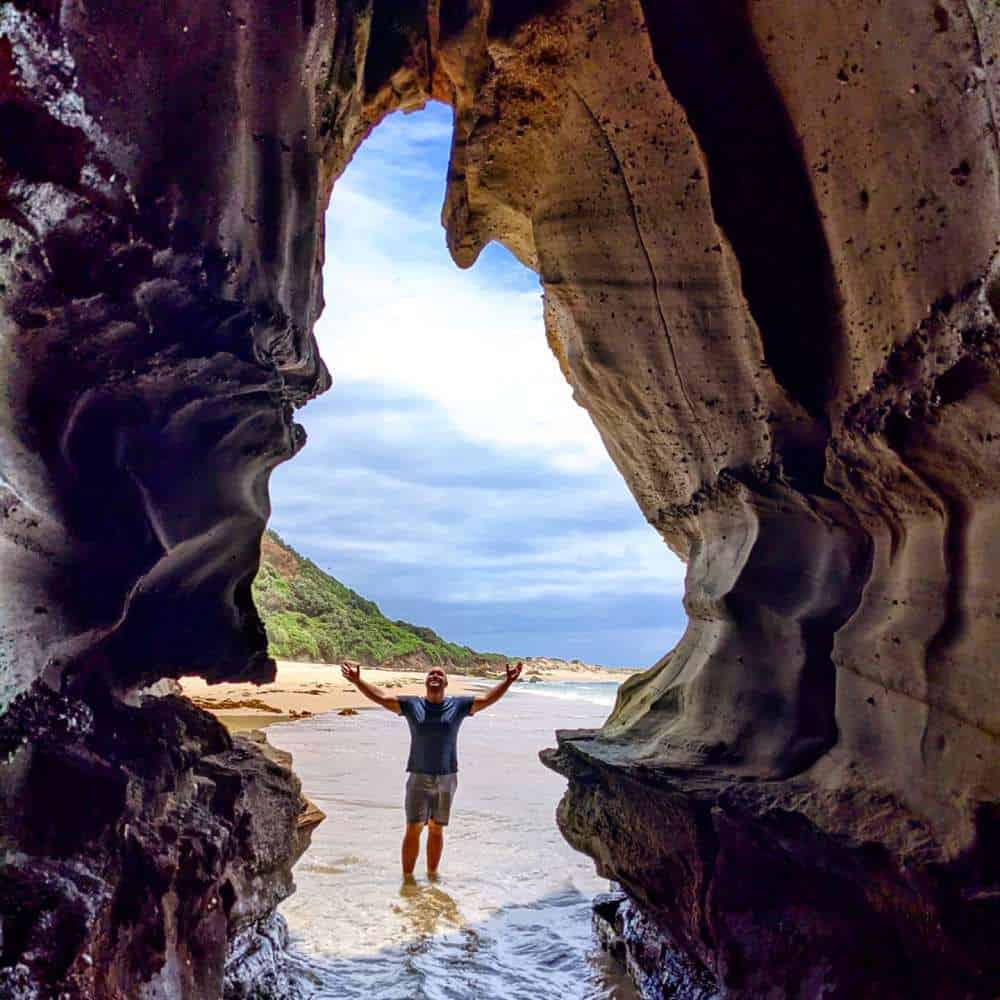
448	475
449	478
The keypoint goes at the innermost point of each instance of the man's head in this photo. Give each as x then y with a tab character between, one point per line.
436	681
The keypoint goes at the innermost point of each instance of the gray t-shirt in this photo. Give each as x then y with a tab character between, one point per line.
434	732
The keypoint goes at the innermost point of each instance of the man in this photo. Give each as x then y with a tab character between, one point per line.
433	764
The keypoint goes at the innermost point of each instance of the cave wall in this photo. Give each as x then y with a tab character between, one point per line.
160	282
770	256
768	240
160	198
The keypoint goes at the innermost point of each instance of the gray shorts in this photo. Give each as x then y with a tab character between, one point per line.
428	796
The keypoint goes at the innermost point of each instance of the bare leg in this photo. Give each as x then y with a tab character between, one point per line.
435	845
411	847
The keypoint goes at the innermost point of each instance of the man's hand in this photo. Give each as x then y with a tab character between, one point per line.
352	673
496	693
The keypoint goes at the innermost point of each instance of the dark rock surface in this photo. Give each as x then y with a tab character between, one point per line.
657	969
136	842
768	238
749	888
255	965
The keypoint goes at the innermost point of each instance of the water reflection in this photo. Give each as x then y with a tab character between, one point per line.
426	908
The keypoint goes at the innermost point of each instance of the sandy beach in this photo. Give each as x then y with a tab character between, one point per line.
304	689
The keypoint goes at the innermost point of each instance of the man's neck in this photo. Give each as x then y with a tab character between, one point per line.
435	697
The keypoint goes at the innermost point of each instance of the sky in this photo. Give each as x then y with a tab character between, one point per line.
448	475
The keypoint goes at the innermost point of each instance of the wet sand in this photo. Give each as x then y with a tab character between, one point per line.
249	722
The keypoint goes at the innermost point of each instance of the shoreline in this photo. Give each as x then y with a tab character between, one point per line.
302	690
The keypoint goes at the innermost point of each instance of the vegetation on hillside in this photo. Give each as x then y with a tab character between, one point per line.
310	616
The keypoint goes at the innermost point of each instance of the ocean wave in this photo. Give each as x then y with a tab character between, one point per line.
593	692
524	952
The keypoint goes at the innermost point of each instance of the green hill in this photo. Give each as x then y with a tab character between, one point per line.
310	616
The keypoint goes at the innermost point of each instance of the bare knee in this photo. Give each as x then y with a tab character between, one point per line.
413	831
434	829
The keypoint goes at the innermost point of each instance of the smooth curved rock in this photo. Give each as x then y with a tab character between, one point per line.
768	238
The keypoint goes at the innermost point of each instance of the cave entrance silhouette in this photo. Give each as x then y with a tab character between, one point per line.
487	508
448	475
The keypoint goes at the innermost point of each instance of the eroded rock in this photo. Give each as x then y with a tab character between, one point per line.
754	888
136	842
256	968
768	241
657	969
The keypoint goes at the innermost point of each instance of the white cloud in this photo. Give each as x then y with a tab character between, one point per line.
481	543
477	349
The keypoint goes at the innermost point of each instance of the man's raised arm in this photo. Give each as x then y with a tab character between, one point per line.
496	693
377	695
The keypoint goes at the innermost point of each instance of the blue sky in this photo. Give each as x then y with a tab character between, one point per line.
449	476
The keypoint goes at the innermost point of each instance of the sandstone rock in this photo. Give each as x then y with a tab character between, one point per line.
768	241
745	889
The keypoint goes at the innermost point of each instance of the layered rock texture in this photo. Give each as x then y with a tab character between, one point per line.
768	237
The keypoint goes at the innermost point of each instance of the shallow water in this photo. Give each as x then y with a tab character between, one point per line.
509	916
